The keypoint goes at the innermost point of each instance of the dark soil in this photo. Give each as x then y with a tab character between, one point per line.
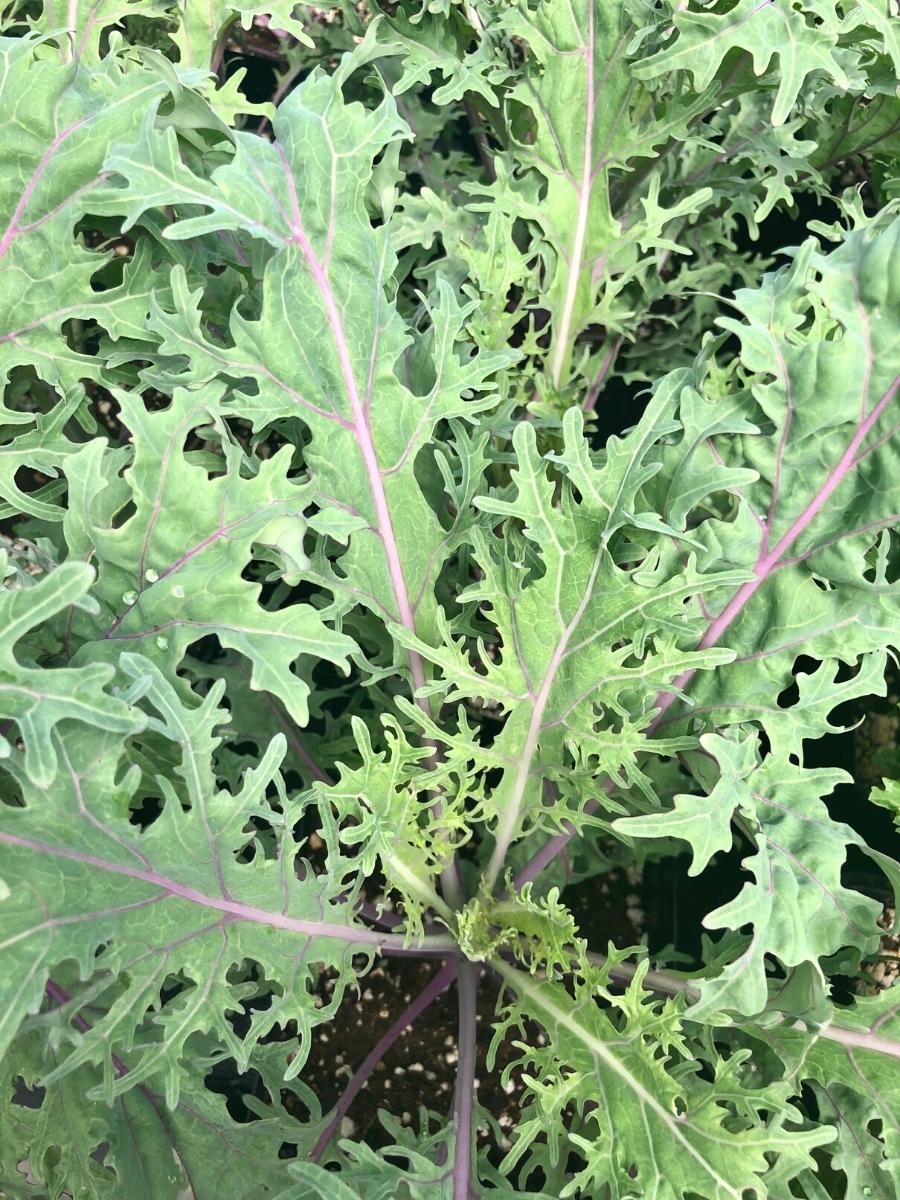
421	1066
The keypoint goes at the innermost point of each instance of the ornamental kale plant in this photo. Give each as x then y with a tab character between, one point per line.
449	456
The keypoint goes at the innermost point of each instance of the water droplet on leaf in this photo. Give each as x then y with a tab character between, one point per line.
129	597
151	575
178	591
162	642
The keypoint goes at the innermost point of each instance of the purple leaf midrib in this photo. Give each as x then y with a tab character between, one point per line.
12	228
235	909
767	563
361	425
769	560
360	411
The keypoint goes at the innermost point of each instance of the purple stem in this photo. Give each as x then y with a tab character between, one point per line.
290	732
389	920
438	984
859	1039
551	848
464	1096
478	133
218	54
596	387
369	912
767	562
280	92
61	997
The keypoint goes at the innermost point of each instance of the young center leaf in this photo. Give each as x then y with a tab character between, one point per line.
591	116
581	634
